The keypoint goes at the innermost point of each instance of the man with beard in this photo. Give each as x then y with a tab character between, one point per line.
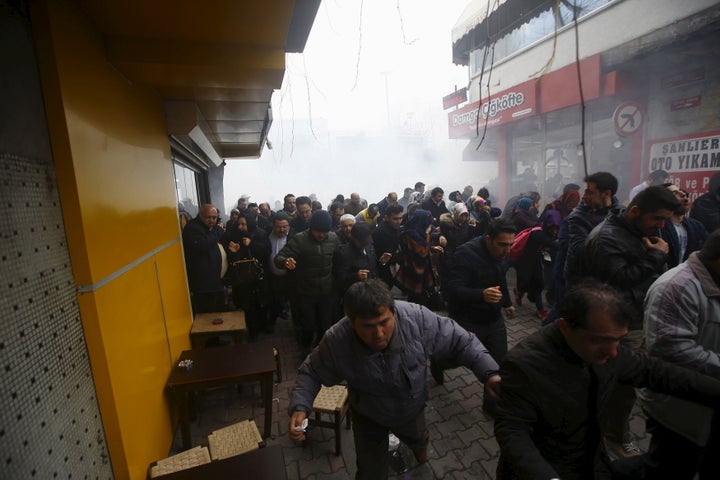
386	238
626	251
301	222
683	234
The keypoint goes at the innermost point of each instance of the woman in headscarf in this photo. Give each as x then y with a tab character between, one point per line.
523	217
529	267
416	276
455	229
248	252
479	210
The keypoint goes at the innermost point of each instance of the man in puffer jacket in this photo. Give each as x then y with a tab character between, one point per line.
381	350
310	255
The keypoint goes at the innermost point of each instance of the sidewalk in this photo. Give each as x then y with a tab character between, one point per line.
461	446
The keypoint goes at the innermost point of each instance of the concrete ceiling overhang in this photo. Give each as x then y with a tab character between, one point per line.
215	63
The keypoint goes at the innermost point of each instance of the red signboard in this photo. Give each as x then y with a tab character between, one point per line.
514	103
455	98
682	103
691	160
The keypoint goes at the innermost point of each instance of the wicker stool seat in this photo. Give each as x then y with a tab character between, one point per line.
331	401
235	439
183	460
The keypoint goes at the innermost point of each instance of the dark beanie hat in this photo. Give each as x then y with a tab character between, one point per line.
320	221
361	232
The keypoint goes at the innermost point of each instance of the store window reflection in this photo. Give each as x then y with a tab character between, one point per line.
186	183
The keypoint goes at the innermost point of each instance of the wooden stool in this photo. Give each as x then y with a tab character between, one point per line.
182	461
332	401
235	439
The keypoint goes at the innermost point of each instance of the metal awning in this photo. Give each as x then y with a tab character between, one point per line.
215	63
489	19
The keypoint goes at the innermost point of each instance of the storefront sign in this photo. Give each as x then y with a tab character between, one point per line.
691	161
682	103
455	98
506	106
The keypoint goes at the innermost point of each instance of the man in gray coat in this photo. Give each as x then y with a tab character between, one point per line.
682	313
381	350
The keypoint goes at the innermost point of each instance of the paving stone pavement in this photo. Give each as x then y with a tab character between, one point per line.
462	445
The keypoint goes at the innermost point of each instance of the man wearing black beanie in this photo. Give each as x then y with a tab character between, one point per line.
310	255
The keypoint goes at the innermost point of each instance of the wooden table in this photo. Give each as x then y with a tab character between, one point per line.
203	327
264	464
225	365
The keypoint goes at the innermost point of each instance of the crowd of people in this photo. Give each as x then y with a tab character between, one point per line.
629	296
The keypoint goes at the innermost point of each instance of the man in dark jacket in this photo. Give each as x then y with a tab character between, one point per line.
706	208
386	239
626	251
435	204
477	287
310	255
684	235
598	201
557	380
355	261
381	349
203	261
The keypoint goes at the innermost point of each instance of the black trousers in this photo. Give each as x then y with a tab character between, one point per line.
371	443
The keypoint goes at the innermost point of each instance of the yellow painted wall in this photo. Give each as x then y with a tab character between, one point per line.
119	208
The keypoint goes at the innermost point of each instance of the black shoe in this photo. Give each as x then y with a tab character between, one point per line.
437	373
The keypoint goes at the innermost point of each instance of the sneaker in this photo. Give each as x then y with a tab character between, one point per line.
622	450
542	314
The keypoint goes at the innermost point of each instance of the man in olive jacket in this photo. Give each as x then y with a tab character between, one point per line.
310	255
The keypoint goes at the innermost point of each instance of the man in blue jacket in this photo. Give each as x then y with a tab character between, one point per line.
381	350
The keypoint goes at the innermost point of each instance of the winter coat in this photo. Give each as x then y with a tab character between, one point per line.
475	270
313	274
706	208
616	254
544	415
203	258
348	260
682	326
696	236
579	225
389	386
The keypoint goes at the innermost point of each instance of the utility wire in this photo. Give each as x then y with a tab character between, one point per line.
580	86
357	65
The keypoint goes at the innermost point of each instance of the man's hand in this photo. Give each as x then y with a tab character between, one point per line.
442	241
385	258
657	243
492	386
246	241
290	264
233	247
510	312
296	421
362	274
492	294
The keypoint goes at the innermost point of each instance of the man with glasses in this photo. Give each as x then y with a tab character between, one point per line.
204	261
683	234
